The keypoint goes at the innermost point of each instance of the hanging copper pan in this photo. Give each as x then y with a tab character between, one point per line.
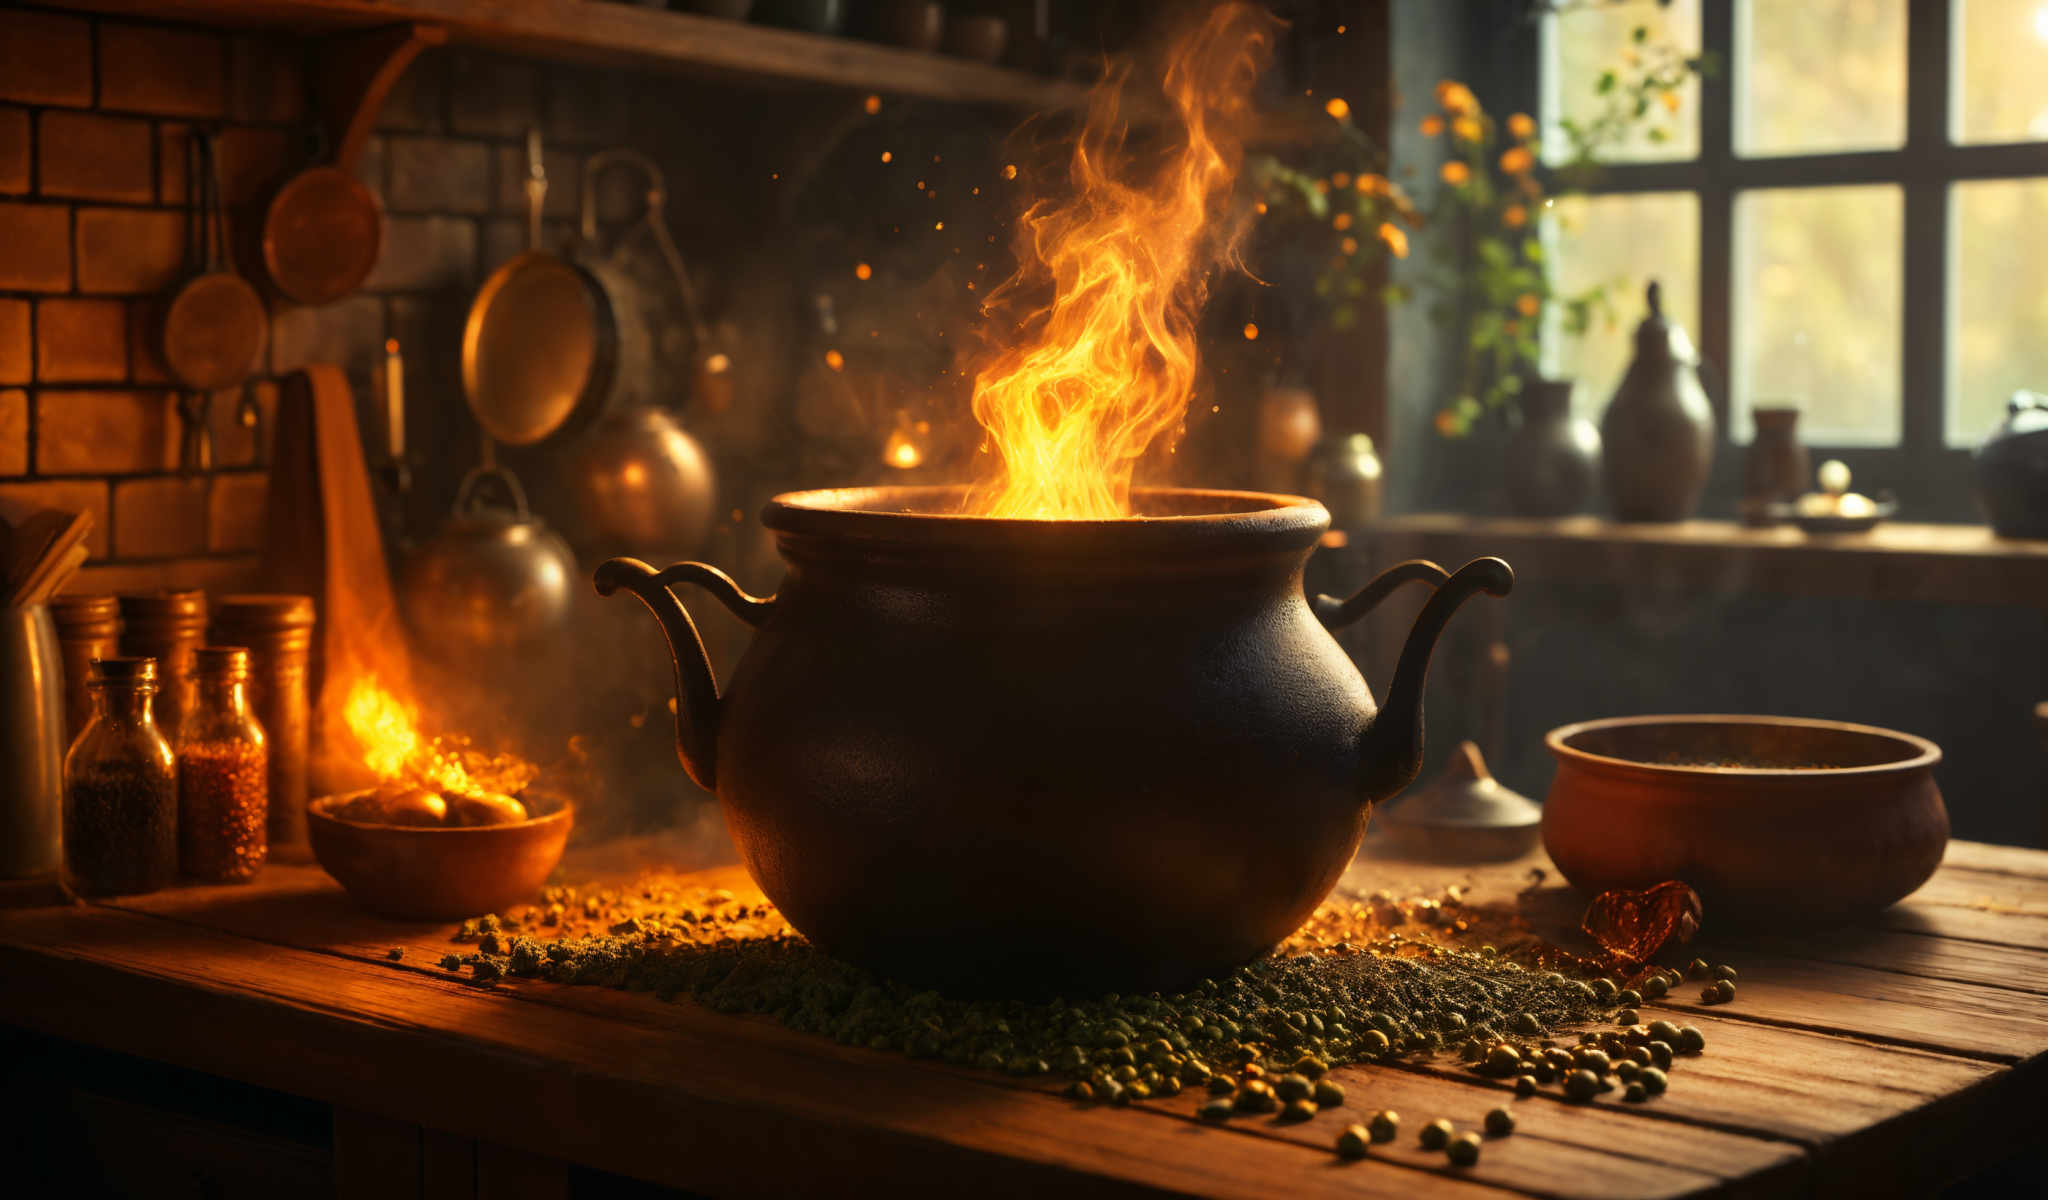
540	345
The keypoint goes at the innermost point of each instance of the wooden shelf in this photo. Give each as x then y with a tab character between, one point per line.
1934	563
602	32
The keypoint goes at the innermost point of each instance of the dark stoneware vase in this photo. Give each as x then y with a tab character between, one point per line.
1777	468
1658	433
1553	459
2012	470
1046	756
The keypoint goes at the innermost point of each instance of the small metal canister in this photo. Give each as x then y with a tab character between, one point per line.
1344	473
167	626
278	630
88	627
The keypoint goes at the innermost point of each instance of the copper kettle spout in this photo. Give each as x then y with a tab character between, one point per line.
1390	752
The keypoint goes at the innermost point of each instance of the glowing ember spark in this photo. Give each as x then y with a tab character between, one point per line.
1107	367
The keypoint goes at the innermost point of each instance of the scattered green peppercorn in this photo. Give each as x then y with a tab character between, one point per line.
1220	1085
395	953
1298	1110
1664	1031
1629	998
1698	969
1525	1085
1527	1025
1724	971
1216	1110
1654	1080
1293	1087
1328	1094
1256	1097
1436	1135
1654	988
1691	1040
1581	1084
1626	1069
1354	1141
1384	1125
1660	1054
1604	989
1499	1122
451	962
1311	1066
1502	1060
1724	991
1376	1043
1636	1093
1592	1059
1627	1016
1463	1149
1079	1090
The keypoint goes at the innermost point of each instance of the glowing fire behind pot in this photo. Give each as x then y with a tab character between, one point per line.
1105	369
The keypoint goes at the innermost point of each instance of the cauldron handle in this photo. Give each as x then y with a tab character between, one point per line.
1335	614
696	687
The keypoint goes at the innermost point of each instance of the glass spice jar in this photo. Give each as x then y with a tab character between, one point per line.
223	773
167	626
88	627
278	630
120	788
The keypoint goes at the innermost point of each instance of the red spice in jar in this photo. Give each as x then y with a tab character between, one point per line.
223	809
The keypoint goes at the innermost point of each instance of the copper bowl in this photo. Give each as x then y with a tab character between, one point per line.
438	874
1777	819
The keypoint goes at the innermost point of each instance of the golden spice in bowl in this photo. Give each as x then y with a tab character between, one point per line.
476	859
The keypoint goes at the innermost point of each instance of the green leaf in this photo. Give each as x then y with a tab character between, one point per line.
1639	34
1343	316
1607	82
1658	133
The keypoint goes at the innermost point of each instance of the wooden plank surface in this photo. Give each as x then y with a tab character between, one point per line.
1879	1062
629	34
1904	561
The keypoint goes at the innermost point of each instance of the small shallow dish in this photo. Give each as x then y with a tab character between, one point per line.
435	873
1884	508
1779	820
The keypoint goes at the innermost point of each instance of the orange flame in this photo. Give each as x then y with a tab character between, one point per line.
387	733
1107	368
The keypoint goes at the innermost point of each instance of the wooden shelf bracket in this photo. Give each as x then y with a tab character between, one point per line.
356	74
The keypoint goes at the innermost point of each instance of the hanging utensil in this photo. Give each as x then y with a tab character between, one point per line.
491	579
322	232
215	325
539	346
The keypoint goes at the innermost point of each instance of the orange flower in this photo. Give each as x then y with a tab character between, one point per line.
1348	245
1456	99
1527	304
1517	160
1448	424
1396	241
1670	100
1337	108
1514	216
1455	173
1521	126
1468	129
1372	185
1341	221
1341	179
1432	125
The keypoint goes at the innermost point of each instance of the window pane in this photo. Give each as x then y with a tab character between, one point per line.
1998	258
1819	75
2000	91
1818	290
1618	244
1581	44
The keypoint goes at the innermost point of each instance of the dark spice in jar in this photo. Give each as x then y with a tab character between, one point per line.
121	828
223	807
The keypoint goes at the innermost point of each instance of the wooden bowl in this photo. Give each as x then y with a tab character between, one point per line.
434	873
1777	820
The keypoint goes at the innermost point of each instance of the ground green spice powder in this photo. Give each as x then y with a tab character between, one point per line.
1323	999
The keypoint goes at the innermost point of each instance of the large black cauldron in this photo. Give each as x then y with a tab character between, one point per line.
1046	755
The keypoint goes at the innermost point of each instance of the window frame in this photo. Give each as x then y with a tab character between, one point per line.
1932	477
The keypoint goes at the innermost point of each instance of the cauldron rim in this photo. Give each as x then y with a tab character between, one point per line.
1200	520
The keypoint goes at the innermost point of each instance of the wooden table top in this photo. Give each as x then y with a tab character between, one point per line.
1882	1059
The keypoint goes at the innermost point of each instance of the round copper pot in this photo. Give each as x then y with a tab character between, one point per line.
1006	755
1825	821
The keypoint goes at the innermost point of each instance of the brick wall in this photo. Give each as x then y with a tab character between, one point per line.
94	115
